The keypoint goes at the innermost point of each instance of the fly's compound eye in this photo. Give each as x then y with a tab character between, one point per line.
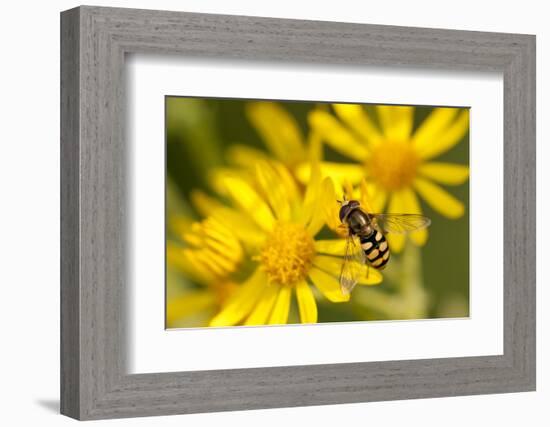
344	210
347	208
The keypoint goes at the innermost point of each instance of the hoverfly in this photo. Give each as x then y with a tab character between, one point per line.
366	244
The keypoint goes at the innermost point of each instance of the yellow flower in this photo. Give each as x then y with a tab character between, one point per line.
396	162
210	255
278	226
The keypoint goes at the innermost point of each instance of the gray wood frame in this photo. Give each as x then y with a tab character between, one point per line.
94	41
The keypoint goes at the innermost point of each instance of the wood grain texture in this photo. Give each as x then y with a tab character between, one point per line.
94	272
70	221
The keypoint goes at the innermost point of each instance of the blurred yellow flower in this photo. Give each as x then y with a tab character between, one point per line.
396	163
210	256
278	225
278	130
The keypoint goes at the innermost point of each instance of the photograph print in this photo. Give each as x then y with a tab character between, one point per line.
290	212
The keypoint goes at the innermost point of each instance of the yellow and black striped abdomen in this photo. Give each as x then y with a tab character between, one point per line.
376	249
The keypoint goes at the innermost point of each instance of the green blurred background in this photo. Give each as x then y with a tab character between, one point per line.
198	133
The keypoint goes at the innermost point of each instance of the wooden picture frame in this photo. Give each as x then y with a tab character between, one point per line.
94	382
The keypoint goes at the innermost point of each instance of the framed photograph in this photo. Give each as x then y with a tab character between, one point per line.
262	213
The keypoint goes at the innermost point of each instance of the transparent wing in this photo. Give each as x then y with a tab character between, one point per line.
401	223
353	265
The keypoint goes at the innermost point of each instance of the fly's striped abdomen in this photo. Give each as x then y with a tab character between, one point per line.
376	249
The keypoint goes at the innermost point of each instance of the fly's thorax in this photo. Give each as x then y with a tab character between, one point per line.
359	223
347	207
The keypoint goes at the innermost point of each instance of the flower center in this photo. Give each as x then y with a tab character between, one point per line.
287	254
393	164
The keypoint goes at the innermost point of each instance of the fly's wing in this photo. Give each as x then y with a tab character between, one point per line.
353	265
401	223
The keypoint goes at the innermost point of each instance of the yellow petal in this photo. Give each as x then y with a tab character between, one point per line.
204	203
333	266
221	255
315	147
445	173
177	260
317	220
244	155
330	206
228	246
396	205
177	224
278	129
348	190
214	235
328	285
217	178
263	308
355	116
204	261
331	247
215	262
210	236
326	202
191	267
365	198
306	303
439	199
287	181
339	172
336	135
447	138
396	121
373	197
329	264
342	172
273	191
241	303
412	205
241	226
186	305
250	202
372	277
192	239
279	315
311	194
438	120
396	242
